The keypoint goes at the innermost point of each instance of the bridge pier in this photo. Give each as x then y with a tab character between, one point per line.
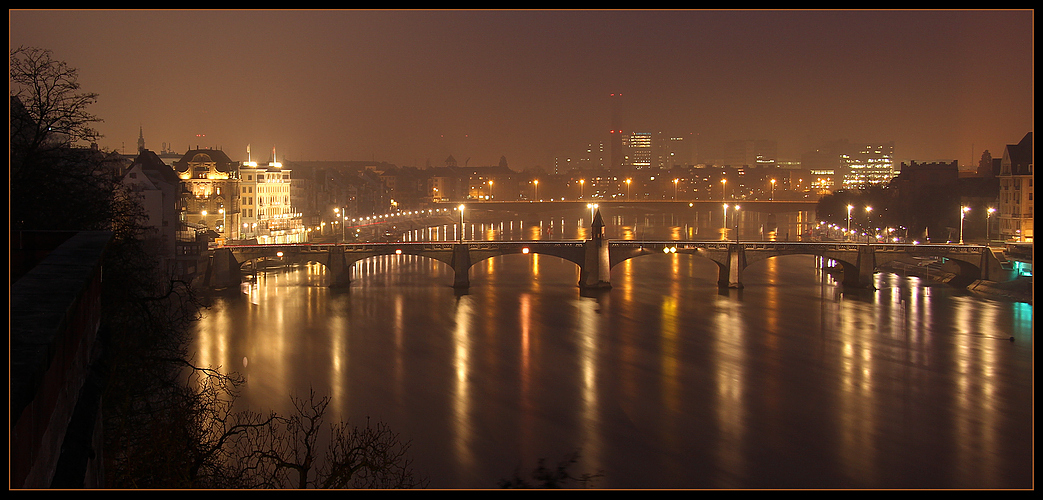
461	265
338	267
596	271
222	270
736	263
866	263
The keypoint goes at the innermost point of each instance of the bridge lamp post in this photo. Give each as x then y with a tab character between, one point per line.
772	197
849	207
592	207
628	189
675	188
461	223
535	189
988	215
340	221
491	195
581	181
869	221
963	214
724	192
736	216
724	224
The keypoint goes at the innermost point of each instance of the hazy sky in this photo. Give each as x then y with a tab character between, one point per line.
410	87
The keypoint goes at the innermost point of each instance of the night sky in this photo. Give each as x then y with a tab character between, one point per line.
414	87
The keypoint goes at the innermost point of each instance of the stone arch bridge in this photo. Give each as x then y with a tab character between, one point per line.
596	257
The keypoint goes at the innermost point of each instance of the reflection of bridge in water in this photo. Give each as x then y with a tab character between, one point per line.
597	256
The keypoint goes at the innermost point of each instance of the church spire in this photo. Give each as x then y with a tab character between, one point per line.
141	140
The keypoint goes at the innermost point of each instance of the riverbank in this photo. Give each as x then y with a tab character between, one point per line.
1020	289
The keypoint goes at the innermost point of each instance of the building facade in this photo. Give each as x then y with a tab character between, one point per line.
156	185
1016	192
209	191
266	203
638	150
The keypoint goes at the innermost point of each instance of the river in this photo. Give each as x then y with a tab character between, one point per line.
663	381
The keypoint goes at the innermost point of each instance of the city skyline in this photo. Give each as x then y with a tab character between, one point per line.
413	87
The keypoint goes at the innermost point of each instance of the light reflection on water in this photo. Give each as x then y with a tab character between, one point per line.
663	381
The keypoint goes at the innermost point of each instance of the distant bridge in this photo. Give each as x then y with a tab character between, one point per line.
596	257
603	204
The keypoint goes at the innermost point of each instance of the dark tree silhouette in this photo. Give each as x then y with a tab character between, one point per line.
558	477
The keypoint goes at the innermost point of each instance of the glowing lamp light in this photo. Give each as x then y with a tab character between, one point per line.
398	251
525	250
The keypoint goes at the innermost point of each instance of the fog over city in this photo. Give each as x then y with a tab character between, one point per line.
413	87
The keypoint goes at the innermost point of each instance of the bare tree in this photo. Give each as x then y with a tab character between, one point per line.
558	477
369	457
55	110
54	184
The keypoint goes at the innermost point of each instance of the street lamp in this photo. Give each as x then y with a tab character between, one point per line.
963	213
581	181
724	224
628	189
988	215
340	221
535	189
736	216
461	223
869	221
491	189
592	207
849	207
772	197
675	189
724	193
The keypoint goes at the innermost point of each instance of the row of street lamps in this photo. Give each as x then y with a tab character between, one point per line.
736	207
963	215
628	181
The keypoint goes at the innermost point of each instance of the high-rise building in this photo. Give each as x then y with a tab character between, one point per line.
670	151
866	165
637	149
751	153
594	156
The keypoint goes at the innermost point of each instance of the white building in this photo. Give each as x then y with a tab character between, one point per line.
265	203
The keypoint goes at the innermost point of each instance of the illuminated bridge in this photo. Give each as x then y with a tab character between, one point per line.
597	256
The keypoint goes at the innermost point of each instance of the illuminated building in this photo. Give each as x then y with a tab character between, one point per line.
868	165
267	213
1016	204
638	147
209	191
